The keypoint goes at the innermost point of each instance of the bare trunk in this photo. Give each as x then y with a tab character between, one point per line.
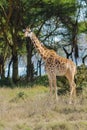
30	67
15	64
8	75
74	41
2	72
39	67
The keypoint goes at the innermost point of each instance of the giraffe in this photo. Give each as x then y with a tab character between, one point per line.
55	65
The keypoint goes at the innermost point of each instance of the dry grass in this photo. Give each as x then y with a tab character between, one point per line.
34	109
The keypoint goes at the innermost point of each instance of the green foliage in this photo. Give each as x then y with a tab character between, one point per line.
43	80
19	96
82	28
3	2
81	77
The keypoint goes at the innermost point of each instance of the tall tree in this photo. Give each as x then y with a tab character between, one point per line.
10	26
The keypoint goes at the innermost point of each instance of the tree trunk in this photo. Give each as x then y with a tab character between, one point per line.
8	75
30	67
2	72
74	41
15	65
39	66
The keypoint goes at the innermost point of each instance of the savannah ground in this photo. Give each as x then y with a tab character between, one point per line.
33	109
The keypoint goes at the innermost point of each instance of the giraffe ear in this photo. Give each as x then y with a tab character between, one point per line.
28	30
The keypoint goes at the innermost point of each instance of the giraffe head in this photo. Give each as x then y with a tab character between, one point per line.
27	32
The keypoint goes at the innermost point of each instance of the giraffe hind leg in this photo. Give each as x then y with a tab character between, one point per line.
55	86
72	92
70	77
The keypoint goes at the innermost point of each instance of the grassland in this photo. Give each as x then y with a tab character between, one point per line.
33	109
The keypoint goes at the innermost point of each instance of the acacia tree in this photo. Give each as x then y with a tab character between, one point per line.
10	24
83	25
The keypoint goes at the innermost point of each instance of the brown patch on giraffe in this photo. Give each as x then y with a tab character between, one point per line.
50	60
57	61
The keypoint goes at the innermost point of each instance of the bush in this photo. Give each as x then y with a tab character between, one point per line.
6	82
81	77
43	80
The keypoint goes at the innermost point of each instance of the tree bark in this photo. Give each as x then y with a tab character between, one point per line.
74	40
8	75
15	64
30	67
39	66
2	72
83	59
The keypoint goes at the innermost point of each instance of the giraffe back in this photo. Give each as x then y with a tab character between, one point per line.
59	65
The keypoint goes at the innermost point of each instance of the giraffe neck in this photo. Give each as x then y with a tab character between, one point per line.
42	50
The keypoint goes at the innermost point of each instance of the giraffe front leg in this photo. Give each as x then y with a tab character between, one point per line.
50	84
55	87
72	92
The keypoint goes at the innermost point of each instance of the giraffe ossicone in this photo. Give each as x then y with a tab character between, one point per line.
55	65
